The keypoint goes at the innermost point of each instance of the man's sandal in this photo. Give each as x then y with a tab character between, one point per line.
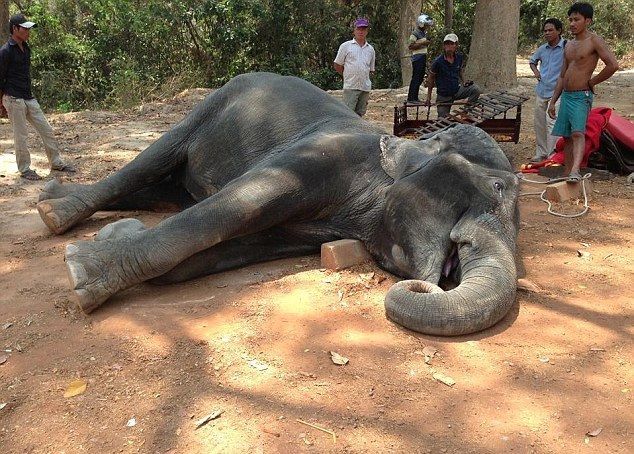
574	177
65	168
31	175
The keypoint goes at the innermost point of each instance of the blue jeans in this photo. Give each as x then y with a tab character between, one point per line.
418	75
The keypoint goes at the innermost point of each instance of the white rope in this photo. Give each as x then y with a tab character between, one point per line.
586	207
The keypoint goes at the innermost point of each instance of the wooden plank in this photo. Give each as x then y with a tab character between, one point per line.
484	110
499	108
515	100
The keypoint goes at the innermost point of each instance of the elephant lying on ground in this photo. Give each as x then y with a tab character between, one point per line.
269	167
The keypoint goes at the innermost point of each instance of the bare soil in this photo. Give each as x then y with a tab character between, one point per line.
254	343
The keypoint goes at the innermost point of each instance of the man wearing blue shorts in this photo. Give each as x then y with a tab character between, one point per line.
576	85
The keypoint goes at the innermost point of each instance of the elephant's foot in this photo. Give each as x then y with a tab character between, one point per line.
94	272
119	229
61	214
56	190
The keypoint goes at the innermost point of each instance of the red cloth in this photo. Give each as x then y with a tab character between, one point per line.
598	119
622	130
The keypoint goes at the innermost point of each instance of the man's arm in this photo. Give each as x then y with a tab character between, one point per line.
340	59
431	83
418	44
607	57
558	88
4	67
461	78
533	61
536	72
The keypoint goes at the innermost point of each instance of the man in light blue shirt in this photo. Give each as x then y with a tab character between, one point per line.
550	58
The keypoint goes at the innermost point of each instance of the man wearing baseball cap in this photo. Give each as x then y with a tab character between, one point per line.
447	75
355	62
18	102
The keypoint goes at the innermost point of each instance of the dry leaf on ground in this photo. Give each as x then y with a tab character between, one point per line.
338	359
594	432
429	352
75	388
528	286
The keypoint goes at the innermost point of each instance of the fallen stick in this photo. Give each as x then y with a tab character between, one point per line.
334	437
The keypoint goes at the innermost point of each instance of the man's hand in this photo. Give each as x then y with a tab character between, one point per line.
427	102
551	110
3	111
591	86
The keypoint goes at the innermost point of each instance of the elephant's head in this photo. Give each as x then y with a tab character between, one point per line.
450	217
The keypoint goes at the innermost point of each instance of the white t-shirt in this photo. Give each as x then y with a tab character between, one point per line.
357	61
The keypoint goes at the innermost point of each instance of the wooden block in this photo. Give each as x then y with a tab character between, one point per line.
337	255
563	190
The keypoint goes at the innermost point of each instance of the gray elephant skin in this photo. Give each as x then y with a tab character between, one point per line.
269	167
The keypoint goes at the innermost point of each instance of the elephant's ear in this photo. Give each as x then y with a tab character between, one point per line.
402	157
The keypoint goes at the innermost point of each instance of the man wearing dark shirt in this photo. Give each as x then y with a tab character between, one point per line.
18	100
446	74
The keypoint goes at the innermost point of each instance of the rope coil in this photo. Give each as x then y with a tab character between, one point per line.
541	194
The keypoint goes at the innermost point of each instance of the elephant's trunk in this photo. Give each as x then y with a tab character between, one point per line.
485	294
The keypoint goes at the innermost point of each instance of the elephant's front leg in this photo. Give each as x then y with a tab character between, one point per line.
99	269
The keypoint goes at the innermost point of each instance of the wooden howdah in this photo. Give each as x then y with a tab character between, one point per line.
498	113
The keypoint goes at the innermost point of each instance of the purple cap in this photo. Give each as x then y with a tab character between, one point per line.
361	22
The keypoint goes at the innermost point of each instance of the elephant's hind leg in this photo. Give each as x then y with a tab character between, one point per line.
61	206
167	156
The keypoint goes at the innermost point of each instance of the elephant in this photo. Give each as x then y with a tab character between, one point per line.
270	166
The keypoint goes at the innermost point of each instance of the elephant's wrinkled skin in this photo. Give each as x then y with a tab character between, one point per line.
269	167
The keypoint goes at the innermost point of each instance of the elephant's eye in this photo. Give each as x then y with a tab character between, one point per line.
498	187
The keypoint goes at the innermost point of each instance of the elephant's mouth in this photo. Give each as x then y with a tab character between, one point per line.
451	262
450	274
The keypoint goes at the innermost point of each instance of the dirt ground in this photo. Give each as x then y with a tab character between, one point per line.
254	343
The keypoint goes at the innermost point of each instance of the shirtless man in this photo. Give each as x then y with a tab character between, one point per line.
576	85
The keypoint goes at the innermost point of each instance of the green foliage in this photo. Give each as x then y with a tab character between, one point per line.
613	20
532	17
117	53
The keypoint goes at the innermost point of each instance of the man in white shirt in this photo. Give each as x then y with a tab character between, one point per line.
355	62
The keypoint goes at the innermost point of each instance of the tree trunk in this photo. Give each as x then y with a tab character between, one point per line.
494	44
448	16
408	12
4	21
